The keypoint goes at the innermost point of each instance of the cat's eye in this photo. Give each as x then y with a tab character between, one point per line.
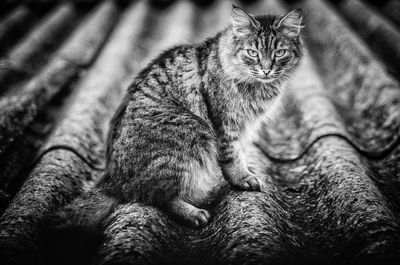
252	53
280	53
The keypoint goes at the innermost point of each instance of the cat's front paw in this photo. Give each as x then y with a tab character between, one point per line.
249	182
242	178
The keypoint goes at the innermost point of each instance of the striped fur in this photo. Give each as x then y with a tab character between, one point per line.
175	138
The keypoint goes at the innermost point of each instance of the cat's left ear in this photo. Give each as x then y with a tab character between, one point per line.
290	23
242	23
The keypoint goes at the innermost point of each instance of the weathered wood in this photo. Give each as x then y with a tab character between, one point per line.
30	52
19	109
61	175
378	31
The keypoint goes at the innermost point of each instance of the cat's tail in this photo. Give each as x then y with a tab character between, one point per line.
72	235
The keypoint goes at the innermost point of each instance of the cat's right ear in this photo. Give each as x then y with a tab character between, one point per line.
242	23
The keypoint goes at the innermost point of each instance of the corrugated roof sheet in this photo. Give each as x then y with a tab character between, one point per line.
331	160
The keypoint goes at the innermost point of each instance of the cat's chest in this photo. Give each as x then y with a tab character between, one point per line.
242	112
233	107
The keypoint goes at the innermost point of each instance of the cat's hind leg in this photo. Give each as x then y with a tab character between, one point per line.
199	186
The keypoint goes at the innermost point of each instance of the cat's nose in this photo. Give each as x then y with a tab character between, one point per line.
266	72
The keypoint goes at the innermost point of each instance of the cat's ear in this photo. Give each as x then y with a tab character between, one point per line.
242	23
290	24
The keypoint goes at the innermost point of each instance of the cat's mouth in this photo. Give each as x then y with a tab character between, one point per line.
266	79
263	79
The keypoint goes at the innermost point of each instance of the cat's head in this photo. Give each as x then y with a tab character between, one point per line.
263	48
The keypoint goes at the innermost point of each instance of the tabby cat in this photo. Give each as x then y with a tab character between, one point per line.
175	137
174	141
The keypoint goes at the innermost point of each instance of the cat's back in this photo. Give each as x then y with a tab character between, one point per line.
172	80
171	69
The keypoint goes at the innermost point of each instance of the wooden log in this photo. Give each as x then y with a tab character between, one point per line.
19	109
61	175
379	32
30	53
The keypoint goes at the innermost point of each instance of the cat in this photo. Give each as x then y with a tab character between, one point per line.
174	140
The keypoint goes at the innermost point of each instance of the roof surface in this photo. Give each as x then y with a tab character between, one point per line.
331	160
